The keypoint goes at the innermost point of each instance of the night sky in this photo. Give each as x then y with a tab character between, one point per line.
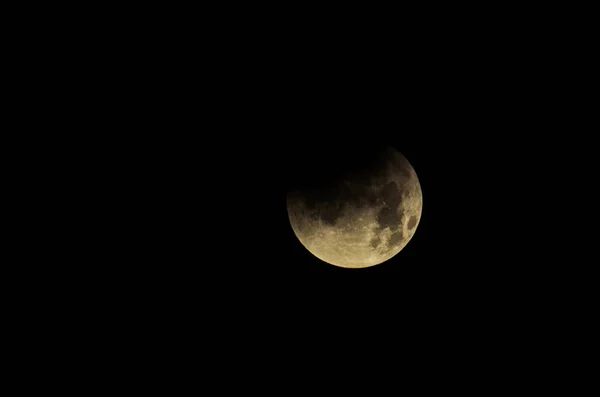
202	127
227	145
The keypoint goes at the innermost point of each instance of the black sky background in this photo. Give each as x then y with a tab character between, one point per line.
171	136
202	124
231	119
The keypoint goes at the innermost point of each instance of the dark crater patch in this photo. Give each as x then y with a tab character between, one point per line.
375	242
391	195
331	213
412	222
396	238
388	218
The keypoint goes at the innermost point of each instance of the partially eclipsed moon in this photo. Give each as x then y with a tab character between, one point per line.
361	218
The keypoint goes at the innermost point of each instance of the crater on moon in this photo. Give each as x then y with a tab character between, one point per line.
396	238
375	242
412	223
391	195
332	213
388	218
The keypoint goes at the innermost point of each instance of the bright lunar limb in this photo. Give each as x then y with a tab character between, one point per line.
362	218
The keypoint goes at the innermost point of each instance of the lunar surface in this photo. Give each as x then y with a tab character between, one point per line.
360	216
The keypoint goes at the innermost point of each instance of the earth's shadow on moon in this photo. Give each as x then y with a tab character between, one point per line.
317	168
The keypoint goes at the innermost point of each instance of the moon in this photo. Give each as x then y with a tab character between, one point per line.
359	215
